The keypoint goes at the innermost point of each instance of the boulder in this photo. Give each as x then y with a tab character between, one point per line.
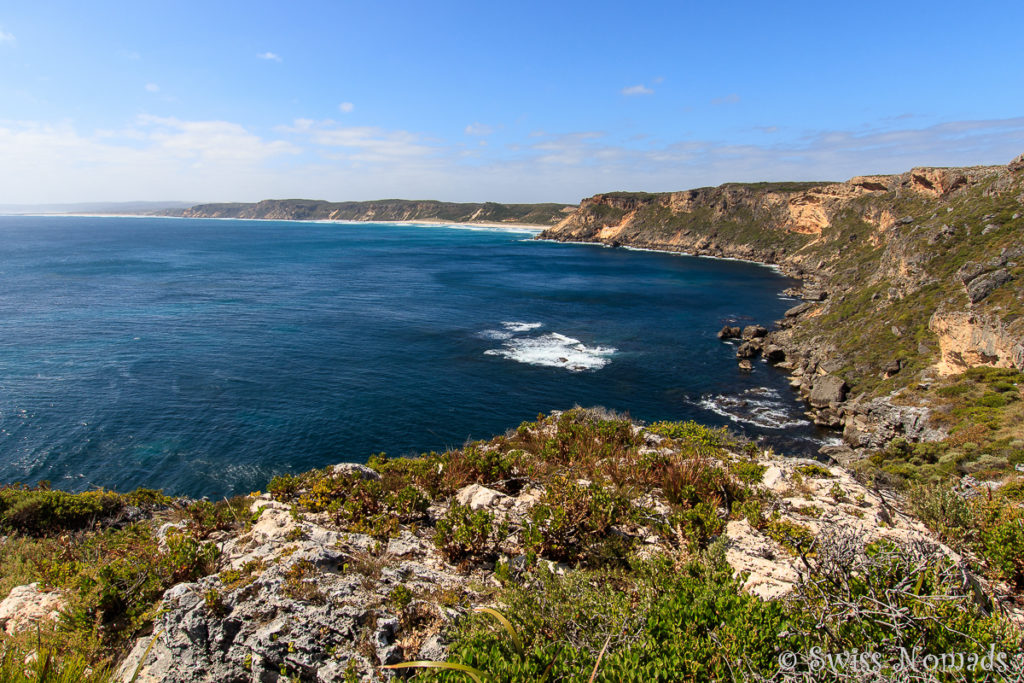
479	497
27	606
774	353
353	468
729	332
826	390
754	331
747	350
983	285
798	309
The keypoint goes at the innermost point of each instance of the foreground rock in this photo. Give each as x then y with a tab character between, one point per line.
297	598
27	607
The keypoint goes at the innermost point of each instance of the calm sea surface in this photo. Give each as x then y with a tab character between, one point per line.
205	356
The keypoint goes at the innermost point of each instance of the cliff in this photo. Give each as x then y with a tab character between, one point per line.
908	279
381	210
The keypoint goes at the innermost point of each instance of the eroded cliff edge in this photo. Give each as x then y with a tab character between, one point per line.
907	279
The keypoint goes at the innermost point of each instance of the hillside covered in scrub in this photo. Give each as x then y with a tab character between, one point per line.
381	210
577	547
909	281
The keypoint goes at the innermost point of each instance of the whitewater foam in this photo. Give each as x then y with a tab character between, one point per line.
760	406
552	349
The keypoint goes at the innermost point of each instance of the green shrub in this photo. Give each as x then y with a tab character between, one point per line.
747	472
815	471
39	510
574	523
465	534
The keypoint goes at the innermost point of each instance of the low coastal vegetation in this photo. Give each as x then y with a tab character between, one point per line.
603	550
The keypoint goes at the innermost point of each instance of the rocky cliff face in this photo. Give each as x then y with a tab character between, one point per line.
906	277
382	210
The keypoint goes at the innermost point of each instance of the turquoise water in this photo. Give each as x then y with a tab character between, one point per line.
205	356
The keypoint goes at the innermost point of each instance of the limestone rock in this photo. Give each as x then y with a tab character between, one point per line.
983	285
729	332
875	423
747	350
774	353
753	331
355	468
798	309
1017	164
27	606
479	497
827	390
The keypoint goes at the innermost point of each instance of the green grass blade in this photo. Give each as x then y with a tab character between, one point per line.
476	674
505	624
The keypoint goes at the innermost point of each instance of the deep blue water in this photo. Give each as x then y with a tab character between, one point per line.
204	356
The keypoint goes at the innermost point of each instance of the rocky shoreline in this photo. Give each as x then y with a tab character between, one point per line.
886	234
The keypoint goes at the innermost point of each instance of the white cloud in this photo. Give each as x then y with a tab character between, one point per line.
346	107
363	144
731	98
152	87
6	37
477	128
169	158
637	90
269	56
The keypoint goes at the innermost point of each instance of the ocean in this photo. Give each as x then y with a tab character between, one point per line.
205	356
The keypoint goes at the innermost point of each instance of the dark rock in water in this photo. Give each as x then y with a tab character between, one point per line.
774	353
747	350
798	309
729	332
754	331
746	365
982	286
826	390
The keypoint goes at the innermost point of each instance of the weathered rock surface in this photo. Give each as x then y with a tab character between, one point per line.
874	423
826	391
983	285
969	339
26	606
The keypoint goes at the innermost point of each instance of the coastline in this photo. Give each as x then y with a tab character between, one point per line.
517	227
778	268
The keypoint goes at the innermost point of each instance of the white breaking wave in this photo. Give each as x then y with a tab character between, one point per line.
551	350
760	406
514	326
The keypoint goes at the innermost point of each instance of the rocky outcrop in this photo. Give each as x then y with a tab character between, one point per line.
296	597
876	422
878	259
27	606
970	339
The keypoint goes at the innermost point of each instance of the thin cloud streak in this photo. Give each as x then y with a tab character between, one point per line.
634	90
165	157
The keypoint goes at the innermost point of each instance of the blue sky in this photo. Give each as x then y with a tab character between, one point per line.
513	102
